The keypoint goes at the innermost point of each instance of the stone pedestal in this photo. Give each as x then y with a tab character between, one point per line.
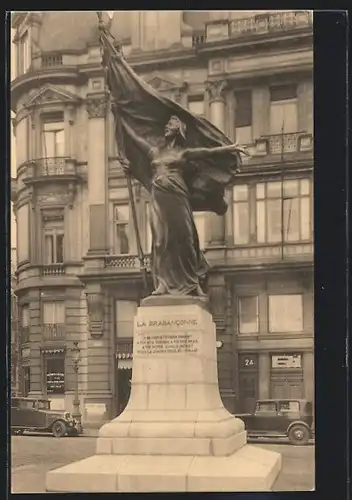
175	434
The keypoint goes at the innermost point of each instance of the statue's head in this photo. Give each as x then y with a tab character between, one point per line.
174	128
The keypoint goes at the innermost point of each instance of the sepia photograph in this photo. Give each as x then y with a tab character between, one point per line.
162	251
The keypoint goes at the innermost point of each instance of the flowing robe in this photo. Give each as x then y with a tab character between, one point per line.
178	265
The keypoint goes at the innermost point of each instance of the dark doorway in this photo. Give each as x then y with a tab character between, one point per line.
124	378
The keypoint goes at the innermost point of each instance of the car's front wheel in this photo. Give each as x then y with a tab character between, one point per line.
299	435
58	429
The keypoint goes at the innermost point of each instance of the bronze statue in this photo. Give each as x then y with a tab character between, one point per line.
178	265
182	160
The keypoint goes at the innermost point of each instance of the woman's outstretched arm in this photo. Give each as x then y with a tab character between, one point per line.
199	153
140	142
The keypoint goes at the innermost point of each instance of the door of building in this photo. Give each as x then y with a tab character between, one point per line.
286	386
286	381
124	378
248	382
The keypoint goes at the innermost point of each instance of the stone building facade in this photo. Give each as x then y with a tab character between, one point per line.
78	274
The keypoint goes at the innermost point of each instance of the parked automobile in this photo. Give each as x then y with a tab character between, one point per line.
30	414
292	418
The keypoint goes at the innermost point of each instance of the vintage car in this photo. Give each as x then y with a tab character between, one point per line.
29	414
292	418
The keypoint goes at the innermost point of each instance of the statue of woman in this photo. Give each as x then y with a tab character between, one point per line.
178	265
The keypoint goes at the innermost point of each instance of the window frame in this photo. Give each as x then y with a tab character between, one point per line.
54	127
260	403
55	303
284	236
23	52
119	223
285	330
246	202
54	229
247	296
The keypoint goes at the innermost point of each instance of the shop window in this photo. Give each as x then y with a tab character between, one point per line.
243	117
122	237
53	137
283	109
200	222
285	313
55	375
248	315
54	241
241	228
126	311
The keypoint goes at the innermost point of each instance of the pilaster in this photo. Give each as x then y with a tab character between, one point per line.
97	172
264	375
217	107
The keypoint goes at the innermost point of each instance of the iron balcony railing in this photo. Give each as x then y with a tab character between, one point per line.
52	270
270	23
51	60
54	331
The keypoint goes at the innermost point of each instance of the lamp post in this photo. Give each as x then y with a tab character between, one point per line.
76	404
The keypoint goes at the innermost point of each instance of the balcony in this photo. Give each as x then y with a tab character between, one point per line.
126	261
198	39
54	331
52	270
51	60
267	23
264	254
279	144
60	168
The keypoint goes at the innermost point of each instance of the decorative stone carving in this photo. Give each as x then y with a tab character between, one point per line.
53	215
164	84
50	93
53	198
215	89
97	108
95	303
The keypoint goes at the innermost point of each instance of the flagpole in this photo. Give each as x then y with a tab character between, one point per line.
121	147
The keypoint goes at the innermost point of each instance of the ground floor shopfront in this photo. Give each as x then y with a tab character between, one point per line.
264	326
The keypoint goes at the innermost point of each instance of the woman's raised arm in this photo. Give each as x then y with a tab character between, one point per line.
199	153
141	143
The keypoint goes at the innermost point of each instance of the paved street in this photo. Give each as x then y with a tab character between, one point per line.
33	456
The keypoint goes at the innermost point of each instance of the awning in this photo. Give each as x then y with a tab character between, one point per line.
50	350
124	355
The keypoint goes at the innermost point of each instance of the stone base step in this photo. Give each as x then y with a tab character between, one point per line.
248	469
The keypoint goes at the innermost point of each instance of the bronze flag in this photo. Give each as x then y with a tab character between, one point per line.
138	107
